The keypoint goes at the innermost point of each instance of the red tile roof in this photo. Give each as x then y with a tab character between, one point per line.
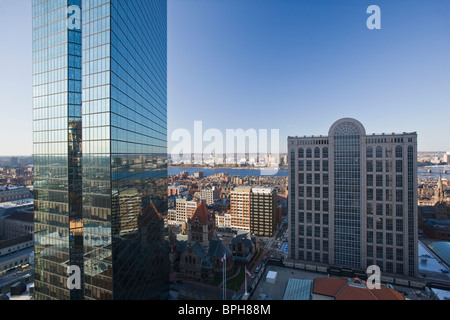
355	289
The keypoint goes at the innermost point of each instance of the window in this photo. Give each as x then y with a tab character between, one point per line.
325	193
369	223
316	165
379	209
379	180
379	166
380	254
308	153
389	225
399	253
399	241
398	165
389	254
379	223
388	166
388	209
369	208
316	178
399	225
317	153
379	152
369	152
399	181
325	165
369	254
369	194
399	210
317	218
317	192
399	195
398	152
379	194
369	237
317	205
370	180
301	191
301	153
388	152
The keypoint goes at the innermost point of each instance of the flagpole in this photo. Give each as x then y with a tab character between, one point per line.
225	285
245	275
223	279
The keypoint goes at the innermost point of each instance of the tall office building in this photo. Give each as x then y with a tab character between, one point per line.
240	208
185	209
100	148
263	211
352	199
254	209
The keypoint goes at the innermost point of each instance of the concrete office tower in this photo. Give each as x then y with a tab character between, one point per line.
263	209
352	199
240	208
210	195
100	148
185	209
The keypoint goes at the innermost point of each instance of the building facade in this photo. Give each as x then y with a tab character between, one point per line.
184	209
210	195
353	199
100	148
263	211
8	194
240	208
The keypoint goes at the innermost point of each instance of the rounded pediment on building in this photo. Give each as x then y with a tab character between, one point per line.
347	127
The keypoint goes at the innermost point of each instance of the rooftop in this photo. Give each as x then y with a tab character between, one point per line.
352	289
298	289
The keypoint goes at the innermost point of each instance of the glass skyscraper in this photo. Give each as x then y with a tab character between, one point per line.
100	147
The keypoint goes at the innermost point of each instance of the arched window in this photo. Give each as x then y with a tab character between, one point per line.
316	153
369	152
300	153
325	152
309	153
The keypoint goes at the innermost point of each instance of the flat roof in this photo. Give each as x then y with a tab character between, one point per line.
298	289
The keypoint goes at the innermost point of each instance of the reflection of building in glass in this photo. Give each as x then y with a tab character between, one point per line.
101	208
353	199
201	257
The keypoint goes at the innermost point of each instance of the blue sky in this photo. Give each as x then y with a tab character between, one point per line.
293	65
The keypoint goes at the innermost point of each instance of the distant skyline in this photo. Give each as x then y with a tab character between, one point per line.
293	65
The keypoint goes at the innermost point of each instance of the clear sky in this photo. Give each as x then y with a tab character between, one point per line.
293	65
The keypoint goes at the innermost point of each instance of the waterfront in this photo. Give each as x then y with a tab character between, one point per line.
249	172
242	172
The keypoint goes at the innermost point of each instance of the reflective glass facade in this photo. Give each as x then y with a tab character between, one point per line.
113	93
57	148
125	149
347	195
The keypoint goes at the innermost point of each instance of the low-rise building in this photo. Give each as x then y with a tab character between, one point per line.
350	289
